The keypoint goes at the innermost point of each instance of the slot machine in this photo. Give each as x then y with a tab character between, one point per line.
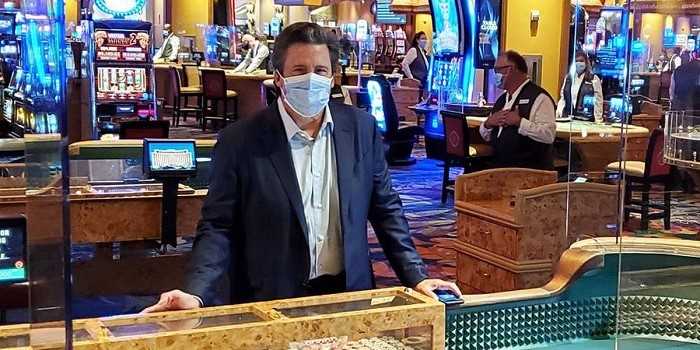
390	43
9	46
400	43
379	44
123	65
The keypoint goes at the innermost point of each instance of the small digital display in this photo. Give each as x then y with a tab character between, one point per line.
618	110
7	24
169	157
13	263
374	90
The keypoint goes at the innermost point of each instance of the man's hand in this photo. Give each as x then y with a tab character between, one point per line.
495	119
173	300
511	118
429	285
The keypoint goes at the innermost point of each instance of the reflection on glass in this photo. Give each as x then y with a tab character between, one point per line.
358	305
182	324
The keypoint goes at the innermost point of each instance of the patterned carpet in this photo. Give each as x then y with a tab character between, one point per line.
433	224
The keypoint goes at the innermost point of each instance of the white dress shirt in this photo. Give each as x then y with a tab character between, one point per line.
575	89
253	58
541	126
411	56
315	167
174	42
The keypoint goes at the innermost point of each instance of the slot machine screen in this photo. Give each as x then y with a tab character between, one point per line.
163	157
446	26
13	244
121	83
488	25
376	101
618	110
7	24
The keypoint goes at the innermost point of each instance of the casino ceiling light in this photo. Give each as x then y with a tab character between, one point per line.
120	8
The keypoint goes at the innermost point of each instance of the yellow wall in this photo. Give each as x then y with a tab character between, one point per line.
424	23
71	11
186	14
549	38
652	31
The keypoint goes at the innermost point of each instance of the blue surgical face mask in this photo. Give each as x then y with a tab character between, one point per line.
306	94
499	80
580	67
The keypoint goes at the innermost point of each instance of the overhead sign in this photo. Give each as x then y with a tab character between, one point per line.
384	15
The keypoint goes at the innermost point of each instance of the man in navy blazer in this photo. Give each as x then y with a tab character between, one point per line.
291	192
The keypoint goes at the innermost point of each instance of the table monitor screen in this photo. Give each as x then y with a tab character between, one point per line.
618	110
163	157
13	262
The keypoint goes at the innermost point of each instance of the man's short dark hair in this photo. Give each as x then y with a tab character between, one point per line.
517	60
304	33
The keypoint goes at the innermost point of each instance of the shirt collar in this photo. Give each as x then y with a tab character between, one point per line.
518	90
291	128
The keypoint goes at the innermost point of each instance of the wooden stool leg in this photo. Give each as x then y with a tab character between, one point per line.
445	181
667	207
627	199
645	207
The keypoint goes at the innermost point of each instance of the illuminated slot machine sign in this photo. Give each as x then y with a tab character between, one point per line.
122	46
13	262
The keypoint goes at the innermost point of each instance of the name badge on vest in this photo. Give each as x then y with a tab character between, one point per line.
524	102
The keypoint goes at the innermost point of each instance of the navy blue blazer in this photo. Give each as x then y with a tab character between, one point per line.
251	240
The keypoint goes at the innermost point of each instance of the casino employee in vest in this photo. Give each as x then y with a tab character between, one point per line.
291	192
575	92
170	48
522	127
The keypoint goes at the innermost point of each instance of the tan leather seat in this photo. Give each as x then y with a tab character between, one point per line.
480	150
191	89
632	168
231	93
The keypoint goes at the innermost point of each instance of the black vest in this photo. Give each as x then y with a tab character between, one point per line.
167	49
419	70
686	90
585	90
513	150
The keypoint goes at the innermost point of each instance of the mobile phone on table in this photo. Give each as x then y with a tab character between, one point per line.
448	297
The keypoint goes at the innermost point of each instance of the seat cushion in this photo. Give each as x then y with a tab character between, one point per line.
191	89
480	150
633	168
231	93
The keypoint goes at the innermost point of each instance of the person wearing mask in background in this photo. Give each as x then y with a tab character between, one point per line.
255	57
291	192
674	60
582	96
415	64
685	87
522	127
170	48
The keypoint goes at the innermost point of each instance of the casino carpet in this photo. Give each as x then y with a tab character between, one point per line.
433	224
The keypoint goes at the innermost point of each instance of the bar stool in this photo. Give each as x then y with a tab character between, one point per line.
182	94
640	176
459	152
214	90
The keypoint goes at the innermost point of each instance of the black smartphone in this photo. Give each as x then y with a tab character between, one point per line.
448	297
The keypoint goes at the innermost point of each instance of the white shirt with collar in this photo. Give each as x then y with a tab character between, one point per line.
253	58
576	88
541	126
315	167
